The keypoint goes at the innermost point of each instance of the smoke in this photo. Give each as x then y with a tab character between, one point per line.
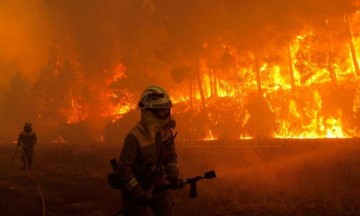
24	39
158	41
271	172
85	31
89	31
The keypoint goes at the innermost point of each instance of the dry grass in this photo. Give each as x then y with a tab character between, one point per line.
294	177
269	177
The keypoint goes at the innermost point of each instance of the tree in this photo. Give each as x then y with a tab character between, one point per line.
261	122
351	44
332	15
140	35
18	104
60	94
188	34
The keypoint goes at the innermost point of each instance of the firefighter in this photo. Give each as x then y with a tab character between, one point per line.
148	158
27	140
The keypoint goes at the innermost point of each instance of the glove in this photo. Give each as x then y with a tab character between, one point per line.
177	184
114	181
143	197
171	124
172	173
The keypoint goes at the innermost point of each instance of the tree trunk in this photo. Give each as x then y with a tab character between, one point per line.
257	72
143	50
211	81
215	86
199	81
352	46
330	60
191	94
236	86
291	68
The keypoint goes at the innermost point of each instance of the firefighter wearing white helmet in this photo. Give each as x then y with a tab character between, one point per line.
154	97
148	158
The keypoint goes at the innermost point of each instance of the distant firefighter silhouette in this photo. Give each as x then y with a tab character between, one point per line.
27	140
148	158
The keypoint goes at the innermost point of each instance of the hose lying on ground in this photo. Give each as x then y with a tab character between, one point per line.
36	182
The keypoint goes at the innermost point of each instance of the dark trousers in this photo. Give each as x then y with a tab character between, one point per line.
27	156
161	205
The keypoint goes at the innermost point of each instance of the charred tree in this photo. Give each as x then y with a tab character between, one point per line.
262	121
191	93
215	83
352	46
236	79
18	103
236	88
144	60
330	59
257	72
199	82
211	81
291	67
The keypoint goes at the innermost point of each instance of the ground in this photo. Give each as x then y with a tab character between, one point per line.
265	177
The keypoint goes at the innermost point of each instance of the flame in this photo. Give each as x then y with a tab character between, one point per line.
298	109
334	129
123	104
306	121
117	73
305	116
76	113
209	136
59	139
356	107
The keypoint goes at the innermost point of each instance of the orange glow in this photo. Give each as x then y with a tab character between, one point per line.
20	38
296	79
305	117
76	112
302	121
123	104
118	72
59	139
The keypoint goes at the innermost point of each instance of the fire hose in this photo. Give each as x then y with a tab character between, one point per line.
115	183
14	154
33	179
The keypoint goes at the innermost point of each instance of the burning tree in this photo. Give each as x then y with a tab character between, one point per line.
234	69
18	105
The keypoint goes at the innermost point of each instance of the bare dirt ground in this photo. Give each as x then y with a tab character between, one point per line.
268	177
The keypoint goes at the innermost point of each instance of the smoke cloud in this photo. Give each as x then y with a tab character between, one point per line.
92	32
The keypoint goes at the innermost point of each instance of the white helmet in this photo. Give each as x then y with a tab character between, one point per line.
154	97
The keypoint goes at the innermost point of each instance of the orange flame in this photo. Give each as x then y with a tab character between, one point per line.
237	81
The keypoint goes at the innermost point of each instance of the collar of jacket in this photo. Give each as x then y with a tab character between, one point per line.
146	135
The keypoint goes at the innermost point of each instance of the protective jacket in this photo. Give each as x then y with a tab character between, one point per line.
27	139
147	161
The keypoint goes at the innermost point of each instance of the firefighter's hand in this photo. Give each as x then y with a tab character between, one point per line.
177	184
141	195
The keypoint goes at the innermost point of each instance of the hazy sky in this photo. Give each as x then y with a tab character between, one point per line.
24	38
29	28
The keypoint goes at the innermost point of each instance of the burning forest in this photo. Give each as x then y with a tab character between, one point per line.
239	73
239	70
